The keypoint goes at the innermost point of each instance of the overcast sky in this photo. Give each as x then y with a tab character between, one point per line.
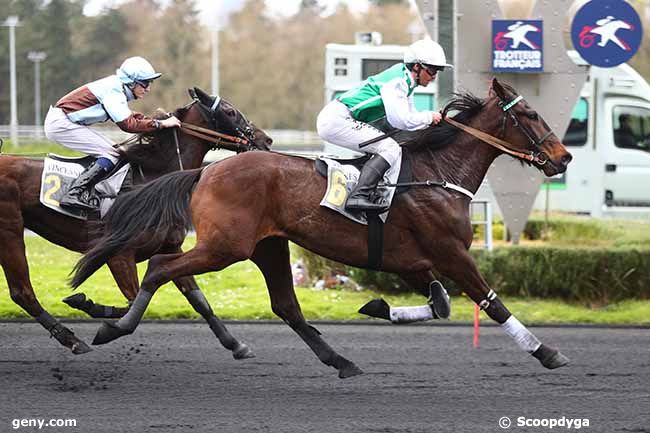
209	8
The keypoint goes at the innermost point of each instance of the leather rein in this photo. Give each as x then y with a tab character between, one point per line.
540	158
217	139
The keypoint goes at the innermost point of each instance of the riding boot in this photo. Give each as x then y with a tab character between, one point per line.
80	192
363	195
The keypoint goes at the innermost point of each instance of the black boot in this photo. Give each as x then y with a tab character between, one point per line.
362	197
80	192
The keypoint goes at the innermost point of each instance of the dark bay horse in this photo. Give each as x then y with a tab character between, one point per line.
249	206
151	156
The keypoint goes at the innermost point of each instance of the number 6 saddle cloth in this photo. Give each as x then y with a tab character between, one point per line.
343	175
60	171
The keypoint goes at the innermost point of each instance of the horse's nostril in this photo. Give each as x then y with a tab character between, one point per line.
566	159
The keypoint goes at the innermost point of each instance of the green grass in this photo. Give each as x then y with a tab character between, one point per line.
238	292
37	148
570	230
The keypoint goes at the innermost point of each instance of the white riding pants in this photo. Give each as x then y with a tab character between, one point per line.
60	129
336	125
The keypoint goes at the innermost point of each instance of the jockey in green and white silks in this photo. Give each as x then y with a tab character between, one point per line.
105	99
345	120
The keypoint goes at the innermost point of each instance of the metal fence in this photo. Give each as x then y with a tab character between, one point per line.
282	138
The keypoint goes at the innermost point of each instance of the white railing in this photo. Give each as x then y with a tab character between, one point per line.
482	217
282	138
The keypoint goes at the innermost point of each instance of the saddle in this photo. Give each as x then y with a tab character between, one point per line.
337	192
405	173
60	171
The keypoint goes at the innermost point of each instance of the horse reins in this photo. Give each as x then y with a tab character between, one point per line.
218	139
539	158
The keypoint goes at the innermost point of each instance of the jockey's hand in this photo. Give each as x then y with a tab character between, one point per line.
170	122
435	118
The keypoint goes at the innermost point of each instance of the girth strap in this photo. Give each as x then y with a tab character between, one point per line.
375	241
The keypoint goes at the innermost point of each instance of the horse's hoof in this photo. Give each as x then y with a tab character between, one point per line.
79	348
439	300
550	358
76	301
108	332
242	352
349	370
376	308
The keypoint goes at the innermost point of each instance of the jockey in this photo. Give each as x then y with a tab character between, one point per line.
346	120
105	99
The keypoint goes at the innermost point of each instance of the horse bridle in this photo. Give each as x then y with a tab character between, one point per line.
536	156
536	142
209	115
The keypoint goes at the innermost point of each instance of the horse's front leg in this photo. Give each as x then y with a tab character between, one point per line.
460	267
196	298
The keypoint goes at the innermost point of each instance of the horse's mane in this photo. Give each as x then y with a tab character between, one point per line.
437	137
152	149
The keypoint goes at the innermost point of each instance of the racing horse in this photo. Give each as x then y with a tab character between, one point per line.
153	154
249	206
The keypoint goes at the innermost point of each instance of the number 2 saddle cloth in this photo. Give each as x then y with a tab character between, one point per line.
58	174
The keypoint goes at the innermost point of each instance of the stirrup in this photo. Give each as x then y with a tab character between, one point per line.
373	203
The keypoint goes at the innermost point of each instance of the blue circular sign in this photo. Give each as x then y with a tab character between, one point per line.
606	33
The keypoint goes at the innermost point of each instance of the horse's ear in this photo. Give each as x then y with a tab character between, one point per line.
202	96
498	88
192	93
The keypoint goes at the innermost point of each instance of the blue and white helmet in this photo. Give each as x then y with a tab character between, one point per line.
136	69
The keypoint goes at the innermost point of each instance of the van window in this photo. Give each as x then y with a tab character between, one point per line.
631	127
576	133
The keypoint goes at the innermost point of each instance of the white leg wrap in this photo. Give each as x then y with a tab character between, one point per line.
131	319
410	314
524	338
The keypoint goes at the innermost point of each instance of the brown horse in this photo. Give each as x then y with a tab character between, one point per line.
153	155
249	206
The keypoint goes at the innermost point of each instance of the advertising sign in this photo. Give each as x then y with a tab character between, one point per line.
606	33
517	46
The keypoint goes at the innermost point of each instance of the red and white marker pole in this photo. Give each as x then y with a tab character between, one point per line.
477	313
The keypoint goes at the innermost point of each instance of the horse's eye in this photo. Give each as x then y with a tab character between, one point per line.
532	115
230	113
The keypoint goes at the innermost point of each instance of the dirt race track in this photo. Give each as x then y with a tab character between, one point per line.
174	377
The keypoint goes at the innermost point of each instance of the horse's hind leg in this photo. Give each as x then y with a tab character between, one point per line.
425	283
125	274
461	268
16	269
204	257
272	257
191	290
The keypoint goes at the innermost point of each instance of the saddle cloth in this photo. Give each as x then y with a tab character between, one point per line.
343	175
58	174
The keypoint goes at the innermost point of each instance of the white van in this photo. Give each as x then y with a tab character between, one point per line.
609	138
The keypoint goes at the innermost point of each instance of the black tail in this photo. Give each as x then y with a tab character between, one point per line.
139	217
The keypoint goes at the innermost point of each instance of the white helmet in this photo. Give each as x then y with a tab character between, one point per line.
426	51
136	69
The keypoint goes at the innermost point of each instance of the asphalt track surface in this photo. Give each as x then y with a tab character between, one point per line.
174	377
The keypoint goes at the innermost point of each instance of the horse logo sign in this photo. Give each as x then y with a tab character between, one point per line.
517	46
606	33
